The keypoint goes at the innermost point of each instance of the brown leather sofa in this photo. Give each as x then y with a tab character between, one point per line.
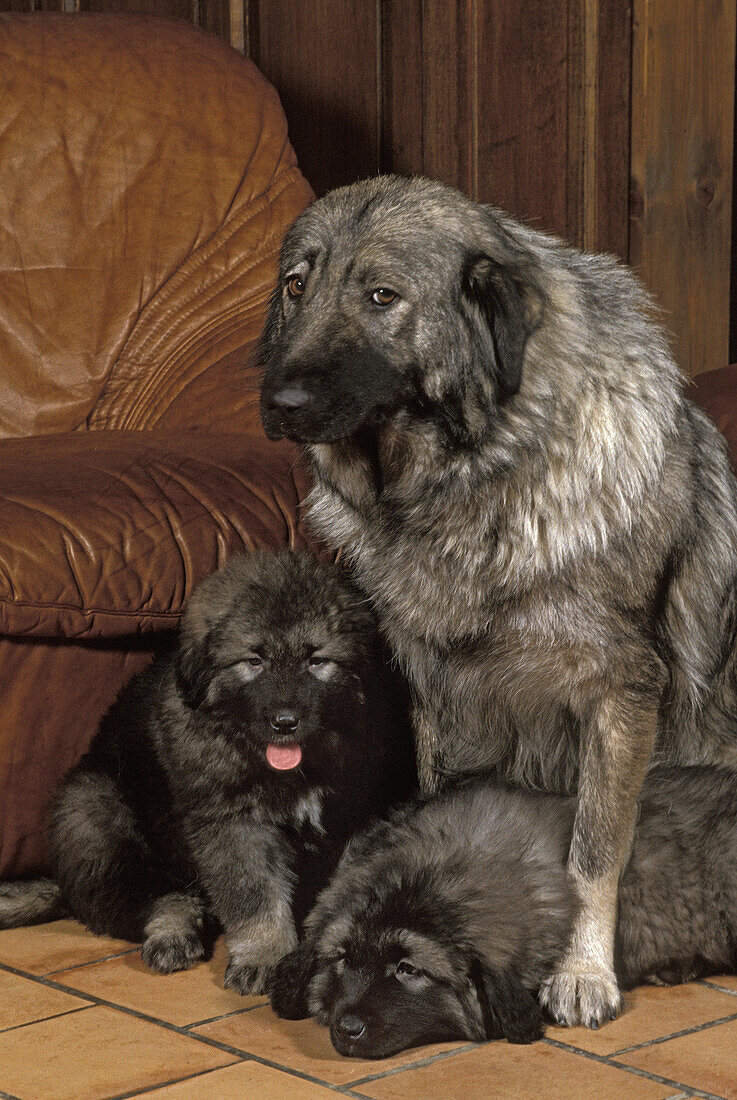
146	181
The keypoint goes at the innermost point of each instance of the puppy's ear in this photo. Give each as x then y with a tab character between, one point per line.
193	667
289	981
510	1011
511	308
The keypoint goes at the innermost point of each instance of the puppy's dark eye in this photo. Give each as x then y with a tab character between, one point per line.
383	296
295	286
316	662
255	662
405	967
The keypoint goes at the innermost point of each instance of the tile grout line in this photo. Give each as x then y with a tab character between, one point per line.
228	1015
240	1054
90	962
674	1035
606	1060
45	1019
419	1064
708	984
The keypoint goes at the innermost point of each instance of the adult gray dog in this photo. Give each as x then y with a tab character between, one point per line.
547	526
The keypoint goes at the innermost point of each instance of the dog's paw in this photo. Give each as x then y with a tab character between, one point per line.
289	982
581	997
246	979
166	953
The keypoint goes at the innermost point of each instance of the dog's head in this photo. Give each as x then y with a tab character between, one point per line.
392	294
392	960
273	649
379	994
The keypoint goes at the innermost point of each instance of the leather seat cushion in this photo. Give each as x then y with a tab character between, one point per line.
105	534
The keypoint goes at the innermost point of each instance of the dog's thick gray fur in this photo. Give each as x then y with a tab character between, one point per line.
443	923
547	525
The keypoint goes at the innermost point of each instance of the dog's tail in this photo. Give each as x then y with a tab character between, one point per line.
30	901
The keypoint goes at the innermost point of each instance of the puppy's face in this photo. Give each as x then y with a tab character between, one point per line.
381	997
387	290
276	660
381	989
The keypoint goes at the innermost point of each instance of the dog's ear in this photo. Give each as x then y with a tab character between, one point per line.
289	981
509	1010
193	667
511	308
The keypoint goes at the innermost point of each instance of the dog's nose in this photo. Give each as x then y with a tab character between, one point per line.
284	720
291	398
351	1026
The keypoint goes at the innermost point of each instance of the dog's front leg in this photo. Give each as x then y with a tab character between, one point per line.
246	870
616	745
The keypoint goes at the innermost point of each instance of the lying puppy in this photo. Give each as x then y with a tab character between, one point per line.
228	776
443	922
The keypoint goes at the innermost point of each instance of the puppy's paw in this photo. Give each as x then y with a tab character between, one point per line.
575	996
289	982
166	953
246	979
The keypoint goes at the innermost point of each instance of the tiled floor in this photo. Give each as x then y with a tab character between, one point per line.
81	1018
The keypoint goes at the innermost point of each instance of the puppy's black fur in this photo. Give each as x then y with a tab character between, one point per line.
443	922
223	784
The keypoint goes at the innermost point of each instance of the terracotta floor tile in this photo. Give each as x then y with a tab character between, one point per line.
704	1059
244	1081
23	1001
303	1045
182	998
48	947
501	1070
651	1012
97	1053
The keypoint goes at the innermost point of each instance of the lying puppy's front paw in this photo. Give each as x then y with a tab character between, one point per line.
166	953
581	997
288	990
245	979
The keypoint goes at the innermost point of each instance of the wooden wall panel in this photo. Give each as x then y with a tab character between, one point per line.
683	79
323	58
522	91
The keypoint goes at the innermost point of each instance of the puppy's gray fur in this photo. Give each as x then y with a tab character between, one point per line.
443	923
224	782
547	526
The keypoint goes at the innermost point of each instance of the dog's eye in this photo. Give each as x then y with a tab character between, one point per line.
383	296
317	662
405	967
255	661
295	286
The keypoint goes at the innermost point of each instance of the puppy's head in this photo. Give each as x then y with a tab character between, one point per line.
400	974
379	997
273	649
395	294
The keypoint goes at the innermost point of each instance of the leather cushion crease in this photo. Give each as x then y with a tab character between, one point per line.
146	182
105	534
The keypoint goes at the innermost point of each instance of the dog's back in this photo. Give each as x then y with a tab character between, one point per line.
678	894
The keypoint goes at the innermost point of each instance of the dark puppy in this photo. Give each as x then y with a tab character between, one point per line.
227	777
443	922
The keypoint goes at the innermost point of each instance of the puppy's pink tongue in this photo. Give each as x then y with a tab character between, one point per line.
283	757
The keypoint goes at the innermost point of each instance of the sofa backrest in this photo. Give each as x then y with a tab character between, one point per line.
146	181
